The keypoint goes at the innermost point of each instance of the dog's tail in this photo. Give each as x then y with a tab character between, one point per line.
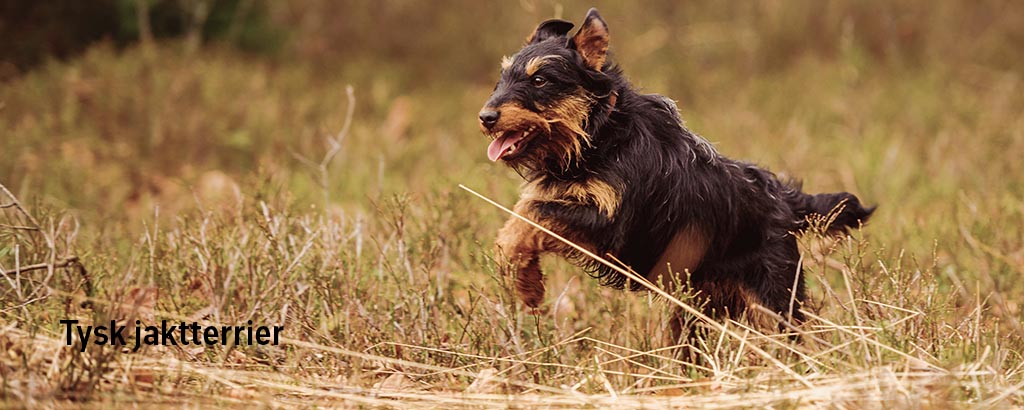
842	210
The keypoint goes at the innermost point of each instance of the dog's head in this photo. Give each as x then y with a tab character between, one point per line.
541	105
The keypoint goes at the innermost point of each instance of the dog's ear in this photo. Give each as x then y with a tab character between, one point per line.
548	29
592	40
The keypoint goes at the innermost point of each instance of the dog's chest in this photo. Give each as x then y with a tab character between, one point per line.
590	192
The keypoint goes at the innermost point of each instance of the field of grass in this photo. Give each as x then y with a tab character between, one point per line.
159	182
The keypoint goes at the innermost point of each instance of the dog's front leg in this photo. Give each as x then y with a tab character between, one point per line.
522	245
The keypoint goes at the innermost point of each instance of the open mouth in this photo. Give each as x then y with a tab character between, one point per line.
508	144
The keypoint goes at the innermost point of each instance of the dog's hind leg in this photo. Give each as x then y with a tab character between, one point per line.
720	299
779	284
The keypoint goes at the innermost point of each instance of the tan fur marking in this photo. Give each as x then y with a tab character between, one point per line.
599	193
516	118
570	115
755	317
683	253
533	65
537	62
592	192
506	62
572	111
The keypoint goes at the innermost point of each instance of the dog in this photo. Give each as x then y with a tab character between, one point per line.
617	172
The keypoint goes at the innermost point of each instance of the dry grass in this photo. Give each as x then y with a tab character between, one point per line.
221	188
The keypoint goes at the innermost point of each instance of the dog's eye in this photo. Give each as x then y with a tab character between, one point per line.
538	81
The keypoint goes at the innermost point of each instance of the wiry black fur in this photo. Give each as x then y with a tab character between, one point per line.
669	179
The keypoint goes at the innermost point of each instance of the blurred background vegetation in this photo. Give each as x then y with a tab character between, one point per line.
231	84
112	109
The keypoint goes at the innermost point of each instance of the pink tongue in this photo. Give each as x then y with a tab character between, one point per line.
499	146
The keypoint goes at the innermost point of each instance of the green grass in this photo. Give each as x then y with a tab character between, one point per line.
177	180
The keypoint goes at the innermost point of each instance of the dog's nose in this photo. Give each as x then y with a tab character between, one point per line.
489	117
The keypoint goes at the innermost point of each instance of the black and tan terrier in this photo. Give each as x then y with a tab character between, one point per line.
618	173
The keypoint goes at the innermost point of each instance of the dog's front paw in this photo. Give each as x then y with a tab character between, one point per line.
524	268
530	282
518	249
